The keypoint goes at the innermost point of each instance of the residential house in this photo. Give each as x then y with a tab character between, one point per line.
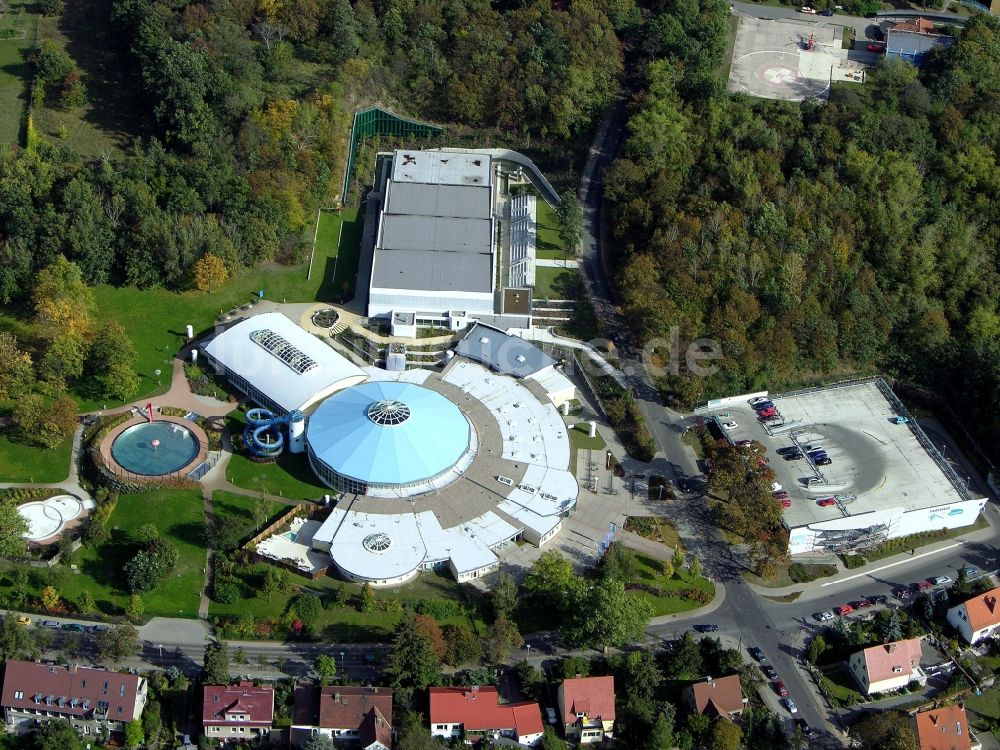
476	711
945	728
716	696
886	667
352	716
913	40
91	699
237	712
976	618
587	707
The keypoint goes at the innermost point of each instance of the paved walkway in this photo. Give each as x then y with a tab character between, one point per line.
555	263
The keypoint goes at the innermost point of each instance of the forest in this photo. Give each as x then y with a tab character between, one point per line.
816	241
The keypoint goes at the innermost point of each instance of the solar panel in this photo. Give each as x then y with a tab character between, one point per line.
279	347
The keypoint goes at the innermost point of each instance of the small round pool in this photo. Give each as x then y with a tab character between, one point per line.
155	448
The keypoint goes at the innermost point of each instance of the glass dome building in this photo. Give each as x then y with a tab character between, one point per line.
387	438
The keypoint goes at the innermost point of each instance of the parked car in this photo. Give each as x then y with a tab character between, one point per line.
902	593
825	461
550	715
98	628
878	49
770	672
826	13
923	585
764	405
730	425
812	447
786	502
861	604
807	731
757	654
941	580
878	599
790	705
23	620
807	9
706	628
826	502
797	456
788	449
768	413
758	400
845	609
780	494
73	626
49	624
744	443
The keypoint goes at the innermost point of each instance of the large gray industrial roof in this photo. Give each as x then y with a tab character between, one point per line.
910	42
441	234
432	271
438	200
510	355
441	167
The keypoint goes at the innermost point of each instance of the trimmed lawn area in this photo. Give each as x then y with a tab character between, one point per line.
692	439
556	283
337	252
841	687
289	476
179	516
548	245
579	439
19	21
231	505
27	463
345	623
649	572
987	704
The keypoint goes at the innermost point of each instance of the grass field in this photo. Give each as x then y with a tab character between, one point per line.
110	118
548	245
842	688
555	283
338	250
289	476
240	507
20	21
26	463
346	623
987	704
650	572
178	514
579	439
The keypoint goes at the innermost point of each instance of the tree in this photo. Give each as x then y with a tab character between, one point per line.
724	735
685	658
678	559
15	641
642	678
210	273
570	213
147	533
412	663
224	533
694	567
884	730
85	602
503	597
64	359
432	631
325	666
45	423
307	608
607	616
320	742
50	598
118	642
133	734
17	375
891	627
275	580
52	7
74	91
413	734
63	302
149	567
462	645
816	648
366	600
503	637
661	735
551	741
134	607
56	734
259	512
52	63
13	527
216	665
551	582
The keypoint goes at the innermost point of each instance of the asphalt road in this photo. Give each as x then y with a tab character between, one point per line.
860	25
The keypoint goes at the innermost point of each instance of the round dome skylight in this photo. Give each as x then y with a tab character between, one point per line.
377	543
389	412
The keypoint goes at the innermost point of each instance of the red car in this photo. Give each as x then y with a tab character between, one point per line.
786	502
744	443
780	494
780	689
861	603
845	610
877	48
767	413
924	585
826	502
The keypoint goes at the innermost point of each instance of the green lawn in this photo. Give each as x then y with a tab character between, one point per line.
841	686
548	244
650	572
20	20
179	516
338	250
555	283
26	463
289	476
987	704
346	623
240	507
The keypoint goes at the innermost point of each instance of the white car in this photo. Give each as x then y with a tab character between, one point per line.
941	580
824	616
807	9
792	708
730	425
758	400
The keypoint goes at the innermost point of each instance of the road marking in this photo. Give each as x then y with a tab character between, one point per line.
890	565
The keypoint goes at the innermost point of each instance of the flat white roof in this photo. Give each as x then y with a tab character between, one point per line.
290	366
441	167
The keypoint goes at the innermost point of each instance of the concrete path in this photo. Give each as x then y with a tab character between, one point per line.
555	263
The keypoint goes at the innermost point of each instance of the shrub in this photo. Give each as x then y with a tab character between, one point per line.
439	610
853	561
226	591
800	573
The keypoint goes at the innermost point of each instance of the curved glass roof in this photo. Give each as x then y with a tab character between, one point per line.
362	433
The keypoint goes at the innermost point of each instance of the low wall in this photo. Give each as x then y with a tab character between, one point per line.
721	403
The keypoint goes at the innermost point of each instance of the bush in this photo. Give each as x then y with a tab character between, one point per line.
439	610
800	573
226	591
853	561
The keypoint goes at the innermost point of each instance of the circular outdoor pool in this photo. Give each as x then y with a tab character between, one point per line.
155	448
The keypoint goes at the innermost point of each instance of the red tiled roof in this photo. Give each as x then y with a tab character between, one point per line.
943	729
593	696
75	691
723	693
892	660
222	701
477	709
920	26
367	709
983	610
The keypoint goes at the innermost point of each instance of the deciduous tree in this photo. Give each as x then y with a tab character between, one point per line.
210	273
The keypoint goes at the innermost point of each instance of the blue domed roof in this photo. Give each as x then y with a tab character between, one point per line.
387	433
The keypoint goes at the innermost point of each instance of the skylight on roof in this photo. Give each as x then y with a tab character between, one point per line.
283	350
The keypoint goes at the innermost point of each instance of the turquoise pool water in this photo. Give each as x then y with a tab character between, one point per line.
134	449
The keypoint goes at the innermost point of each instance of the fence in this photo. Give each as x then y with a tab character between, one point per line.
285	517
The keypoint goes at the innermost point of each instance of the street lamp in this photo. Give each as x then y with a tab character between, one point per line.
343	666
157	372
160	646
